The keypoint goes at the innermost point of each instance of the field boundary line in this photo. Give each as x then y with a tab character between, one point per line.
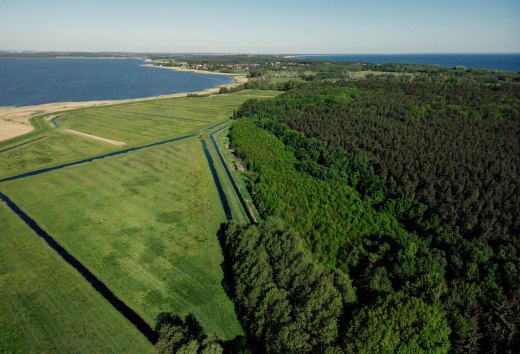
216	125
94	137
96	283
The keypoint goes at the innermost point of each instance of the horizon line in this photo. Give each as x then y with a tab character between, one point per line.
246	53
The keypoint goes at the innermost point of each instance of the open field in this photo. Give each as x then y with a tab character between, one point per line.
53	148
143	122
131	123
145	224
48	307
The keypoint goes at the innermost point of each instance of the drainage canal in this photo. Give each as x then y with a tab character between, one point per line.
232	180
222	195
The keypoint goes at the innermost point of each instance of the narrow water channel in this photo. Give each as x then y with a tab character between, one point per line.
222	195
232	180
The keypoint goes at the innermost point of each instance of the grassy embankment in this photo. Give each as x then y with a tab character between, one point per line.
144	222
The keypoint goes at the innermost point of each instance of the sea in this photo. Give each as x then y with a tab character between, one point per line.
28	81
506	62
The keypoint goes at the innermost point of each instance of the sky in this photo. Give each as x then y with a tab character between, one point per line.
267	26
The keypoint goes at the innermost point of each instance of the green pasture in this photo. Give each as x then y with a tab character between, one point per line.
144	223
135	124
47	307
149	121
53	148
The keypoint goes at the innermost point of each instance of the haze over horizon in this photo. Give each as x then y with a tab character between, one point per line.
232	26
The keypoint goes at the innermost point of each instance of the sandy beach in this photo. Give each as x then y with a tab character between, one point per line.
14	121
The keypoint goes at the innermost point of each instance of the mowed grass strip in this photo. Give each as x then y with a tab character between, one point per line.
238	213
47	306
128	127
145	224
240	176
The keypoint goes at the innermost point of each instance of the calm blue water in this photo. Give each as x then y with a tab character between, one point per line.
35	81
507	62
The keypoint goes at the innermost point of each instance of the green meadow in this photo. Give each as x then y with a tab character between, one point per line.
47	307
145	223
135	124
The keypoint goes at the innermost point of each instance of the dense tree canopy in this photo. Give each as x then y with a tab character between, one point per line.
364	173
285	299
399	324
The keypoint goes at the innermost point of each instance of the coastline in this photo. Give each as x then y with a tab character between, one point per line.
14	121
176	68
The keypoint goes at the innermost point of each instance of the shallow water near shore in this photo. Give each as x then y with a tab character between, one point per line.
31	81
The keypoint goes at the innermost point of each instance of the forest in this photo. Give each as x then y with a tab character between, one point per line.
390	210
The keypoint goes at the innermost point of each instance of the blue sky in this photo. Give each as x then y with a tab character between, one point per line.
267	26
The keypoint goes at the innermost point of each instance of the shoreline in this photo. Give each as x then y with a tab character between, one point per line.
198	71
14	121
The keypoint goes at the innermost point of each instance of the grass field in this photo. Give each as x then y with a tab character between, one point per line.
133	123
52	149
143	122
144	223
47	307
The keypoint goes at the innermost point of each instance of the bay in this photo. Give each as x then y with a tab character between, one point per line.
33	81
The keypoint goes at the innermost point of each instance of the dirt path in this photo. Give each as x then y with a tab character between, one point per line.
95	137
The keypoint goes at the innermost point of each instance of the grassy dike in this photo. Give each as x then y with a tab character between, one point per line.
237	212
